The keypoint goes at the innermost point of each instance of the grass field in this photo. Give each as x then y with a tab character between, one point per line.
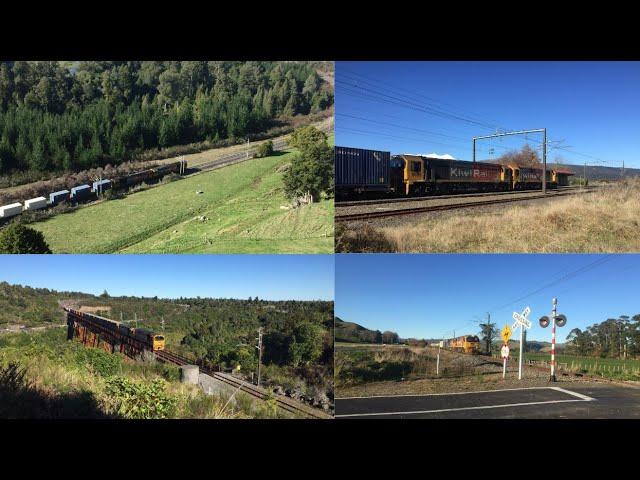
238	211
605	367
607	220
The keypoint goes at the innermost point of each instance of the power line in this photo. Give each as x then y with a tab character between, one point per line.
379	134
426	132
431	101
438	110
565	277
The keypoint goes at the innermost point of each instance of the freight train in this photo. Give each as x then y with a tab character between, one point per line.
84	193
359	171
463	344
119	333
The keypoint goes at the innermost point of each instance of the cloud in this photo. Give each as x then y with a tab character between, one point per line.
446	156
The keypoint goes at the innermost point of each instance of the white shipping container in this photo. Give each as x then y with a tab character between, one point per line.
35	203
10	210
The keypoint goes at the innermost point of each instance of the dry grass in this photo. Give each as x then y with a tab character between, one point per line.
607	220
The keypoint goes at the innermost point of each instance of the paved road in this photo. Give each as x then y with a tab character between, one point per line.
572	401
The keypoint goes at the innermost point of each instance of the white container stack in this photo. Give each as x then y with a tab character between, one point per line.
10	210
35	203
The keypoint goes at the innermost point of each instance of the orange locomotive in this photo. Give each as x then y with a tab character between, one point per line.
464	344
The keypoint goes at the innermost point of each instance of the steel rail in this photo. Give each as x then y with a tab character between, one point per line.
286	404
437	208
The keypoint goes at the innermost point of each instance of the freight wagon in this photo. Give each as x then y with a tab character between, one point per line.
35	203
10	210
141	338
359	171
87	192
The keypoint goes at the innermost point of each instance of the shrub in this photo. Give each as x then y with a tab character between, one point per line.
265	149
99	361
131	399
18	238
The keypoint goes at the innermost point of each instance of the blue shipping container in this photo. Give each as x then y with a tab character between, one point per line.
360	168
57	197
82	191
102	185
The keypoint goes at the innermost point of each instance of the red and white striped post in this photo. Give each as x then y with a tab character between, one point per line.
553	341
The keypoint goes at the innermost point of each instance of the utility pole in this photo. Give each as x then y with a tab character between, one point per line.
544	163
259	347
163	324
474	149
489	331
135	316
247	148
584	175
553	340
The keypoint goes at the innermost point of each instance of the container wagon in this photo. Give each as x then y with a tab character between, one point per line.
358	171
57	197
101	186
81	193
10	210
35	203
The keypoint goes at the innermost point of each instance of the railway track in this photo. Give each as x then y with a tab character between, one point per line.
284	403
382	201
454	206
238	157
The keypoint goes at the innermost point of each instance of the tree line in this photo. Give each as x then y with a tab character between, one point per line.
612	338
221	331
60	117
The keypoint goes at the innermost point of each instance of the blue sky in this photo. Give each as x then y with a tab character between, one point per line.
273	277
428	296
593	106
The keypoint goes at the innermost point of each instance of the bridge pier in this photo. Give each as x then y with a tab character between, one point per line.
189	374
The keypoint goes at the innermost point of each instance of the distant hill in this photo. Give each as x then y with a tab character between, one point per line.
354	333
602	173
593	172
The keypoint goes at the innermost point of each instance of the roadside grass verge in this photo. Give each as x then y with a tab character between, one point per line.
607	220
612	368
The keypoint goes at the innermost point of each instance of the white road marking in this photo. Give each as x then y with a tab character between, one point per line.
575	394
455	393
580	398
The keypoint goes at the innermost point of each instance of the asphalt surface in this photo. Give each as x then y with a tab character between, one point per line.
568	401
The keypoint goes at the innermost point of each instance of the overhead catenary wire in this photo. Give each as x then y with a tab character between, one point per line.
433	110
378	134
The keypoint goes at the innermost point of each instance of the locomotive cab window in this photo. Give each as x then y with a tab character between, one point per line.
416	167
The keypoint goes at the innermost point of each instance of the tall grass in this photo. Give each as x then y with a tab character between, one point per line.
606	220
44	376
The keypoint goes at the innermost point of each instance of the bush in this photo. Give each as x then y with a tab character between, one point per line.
99	361
265	149
18	238
311	170
140	400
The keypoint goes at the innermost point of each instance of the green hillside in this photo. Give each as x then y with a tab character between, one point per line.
297	342
44	376
353	333
238	211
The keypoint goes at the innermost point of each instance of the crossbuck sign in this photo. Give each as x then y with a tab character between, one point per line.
521	319
523	322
